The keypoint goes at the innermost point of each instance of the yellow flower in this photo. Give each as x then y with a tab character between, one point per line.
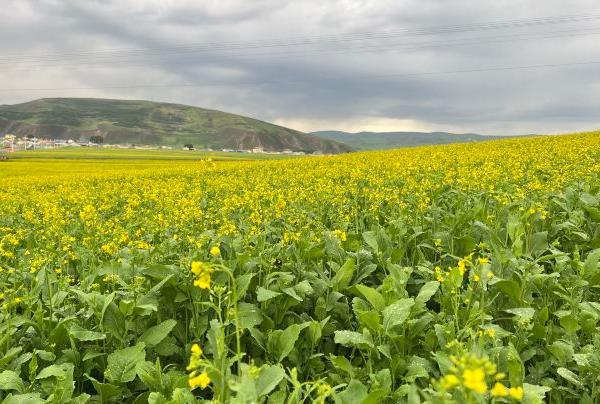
499	390
490	332
202	380
450	381
202	271
483	260
214	251
461	266
196	350
516	393
474	379
340	234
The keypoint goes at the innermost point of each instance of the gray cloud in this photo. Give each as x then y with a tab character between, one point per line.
316	84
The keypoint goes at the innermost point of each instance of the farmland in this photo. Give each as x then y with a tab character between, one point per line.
463	273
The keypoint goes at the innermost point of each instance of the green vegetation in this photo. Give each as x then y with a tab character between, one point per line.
143	154
145	122
392	140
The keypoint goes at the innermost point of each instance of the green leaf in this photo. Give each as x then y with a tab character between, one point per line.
372	296
113	321
569	376
353	339
344	275
107	392
154	335
509	288
150	375
533	394
268	379
10	380
29	398
370	238
570	324
523	313
426	292
397	313
342	363
281	342
82	334
249	315
355	393
262	294
51	371
563	351
122	363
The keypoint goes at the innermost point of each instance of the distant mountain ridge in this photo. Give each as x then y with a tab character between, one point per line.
146	122
390	140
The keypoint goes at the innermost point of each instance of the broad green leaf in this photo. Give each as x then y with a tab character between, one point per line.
10	380
82	334
281	342
524	313
370	238
122	363
150	375
249	315
533	394
29	398
154	335
426	292
397	313
569	376
262	294
268	378
344	275
353	339
342	363
372	296
355	393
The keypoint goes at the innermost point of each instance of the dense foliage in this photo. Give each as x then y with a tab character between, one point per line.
466	273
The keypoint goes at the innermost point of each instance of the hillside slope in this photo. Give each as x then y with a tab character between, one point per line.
145	122
390	140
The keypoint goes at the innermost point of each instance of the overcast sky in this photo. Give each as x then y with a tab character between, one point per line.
487	66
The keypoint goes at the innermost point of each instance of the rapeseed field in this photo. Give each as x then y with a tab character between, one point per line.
461	273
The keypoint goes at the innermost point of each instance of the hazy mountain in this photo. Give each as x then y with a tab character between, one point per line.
390	140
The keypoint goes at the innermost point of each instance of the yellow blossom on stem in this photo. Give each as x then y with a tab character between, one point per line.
516	393
474	379
499	390
202	381
203	273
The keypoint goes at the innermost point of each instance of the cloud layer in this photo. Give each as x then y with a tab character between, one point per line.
510	67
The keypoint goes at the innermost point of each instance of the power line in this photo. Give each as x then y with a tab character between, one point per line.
301	41
353	50
212	84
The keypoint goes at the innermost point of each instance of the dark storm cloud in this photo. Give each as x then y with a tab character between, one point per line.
348	84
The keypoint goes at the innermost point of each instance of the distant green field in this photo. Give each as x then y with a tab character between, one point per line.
72	161
133	154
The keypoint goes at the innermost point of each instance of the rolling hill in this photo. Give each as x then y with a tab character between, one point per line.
145	122
391	140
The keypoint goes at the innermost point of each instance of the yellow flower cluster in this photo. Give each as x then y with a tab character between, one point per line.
196	379
203	272
473	374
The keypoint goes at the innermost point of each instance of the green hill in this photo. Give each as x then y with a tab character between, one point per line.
145	122
391	140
